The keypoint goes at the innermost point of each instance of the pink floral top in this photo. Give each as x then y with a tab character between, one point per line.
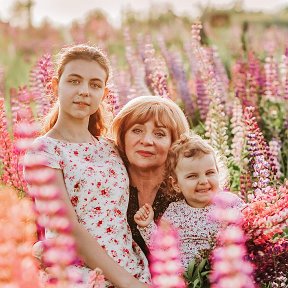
98	187
195	226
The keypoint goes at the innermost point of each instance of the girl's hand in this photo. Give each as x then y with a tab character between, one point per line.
144	216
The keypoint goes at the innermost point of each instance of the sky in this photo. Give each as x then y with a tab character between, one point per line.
63	12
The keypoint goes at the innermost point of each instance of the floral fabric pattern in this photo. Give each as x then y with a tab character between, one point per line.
98	186
195	226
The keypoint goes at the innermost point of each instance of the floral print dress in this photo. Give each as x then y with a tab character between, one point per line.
98	187
195	226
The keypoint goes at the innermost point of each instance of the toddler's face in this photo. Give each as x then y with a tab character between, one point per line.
197	179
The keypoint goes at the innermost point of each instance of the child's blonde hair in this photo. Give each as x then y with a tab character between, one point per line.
191	145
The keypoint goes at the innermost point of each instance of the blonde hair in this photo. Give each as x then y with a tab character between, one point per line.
144	108
191	145
97	125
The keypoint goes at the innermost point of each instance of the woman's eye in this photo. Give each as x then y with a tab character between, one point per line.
136	130
160	134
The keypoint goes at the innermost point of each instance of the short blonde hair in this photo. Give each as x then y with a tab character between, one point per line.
144	108
191	145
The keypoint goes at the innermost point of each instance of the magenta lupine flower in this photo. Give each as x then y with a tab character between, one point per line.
284	75
260	156
166	268
272	84
40	85
265	219
60	252
230	267
275	148
155	72
6	147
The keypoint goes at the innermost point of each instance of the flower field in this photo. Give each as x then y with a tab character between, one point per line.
232	84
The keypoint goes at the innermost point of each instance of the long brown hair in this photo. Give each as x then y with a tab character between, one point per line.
96	125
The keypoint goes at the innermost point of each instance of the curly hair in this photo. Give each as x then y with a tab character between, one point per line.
191	145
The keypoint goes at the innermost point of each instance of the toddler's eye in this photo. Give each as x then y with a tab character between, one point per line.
193	176
211	172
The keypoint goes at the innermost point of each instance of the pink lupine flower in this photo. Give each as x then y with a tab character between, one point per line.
155	72
216	121
96	279
229	263
17	234
166	266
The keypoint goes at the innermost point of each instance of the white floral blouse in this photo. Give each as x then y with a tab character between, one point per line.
98	187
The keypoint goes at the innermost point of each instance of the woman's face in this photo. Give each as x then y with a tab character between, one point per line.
81	88
147	145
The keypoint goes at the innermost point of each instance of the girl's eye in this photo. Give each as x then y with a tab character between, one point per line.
74	81
96	85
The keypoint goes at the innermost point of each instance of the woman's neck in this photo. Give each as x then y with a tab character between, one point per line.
147	183
76	131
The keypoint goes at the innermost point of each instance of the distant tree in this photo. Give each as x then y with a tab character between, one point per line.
22	13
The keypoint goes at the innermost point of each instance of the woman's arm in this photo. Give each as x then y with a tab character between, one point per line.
91	252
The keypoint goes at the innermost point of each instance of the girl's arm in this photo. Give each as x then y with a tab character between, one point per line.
91	252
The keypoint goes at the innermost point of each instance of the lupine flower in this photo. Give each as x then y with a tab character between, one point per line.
216	121
166	266
265	220
136	68
96	279
40	85
17	235
155	72
229	265
60	252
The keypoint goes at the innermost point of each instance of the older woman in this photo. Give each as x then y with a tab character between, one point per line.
144	130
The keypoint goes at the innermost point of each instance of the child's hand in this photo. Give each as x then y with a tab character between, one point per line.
144	216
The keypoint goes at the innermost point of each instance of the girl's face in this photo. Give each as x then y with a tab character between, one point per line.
80	88
197	180
147	145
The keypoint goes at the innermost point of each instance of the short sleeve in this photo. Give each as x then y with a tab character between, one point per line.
47	149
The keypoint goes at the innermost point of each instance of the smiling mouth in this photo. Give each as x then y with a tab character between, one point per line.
81	103
203	190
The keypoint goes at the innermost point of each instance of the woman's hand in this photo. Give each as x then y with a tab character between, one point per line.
144	216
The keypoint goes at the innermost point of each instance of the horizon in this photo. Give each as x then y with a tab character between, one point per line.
56	12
